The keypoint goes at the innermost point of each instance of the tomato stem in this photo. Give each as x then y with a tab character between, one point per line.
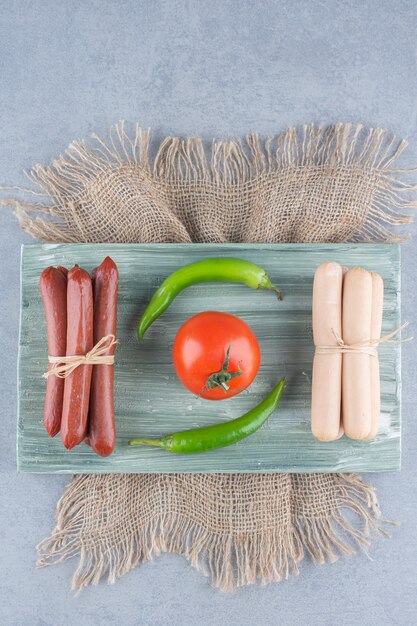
223	377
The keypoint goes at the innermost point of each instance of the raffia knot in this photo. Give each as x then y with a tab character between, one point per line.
363	347
67	364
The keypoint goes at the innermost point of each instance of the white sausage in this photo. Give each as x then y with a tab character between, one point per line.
327	368
341	429
376	326
356	377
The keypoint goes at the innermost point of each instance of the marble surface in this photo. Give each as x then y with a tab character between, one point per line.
218	69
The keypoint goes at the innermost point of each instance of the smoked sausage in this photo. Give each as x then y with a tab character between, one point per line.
53	284
79	341
102	432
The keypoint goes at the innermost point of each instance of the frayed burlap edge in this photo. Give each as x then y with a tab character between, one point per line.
230	163
229	559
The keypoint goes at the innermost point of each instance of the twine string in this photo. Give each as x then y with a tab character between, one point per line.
65	365
363	347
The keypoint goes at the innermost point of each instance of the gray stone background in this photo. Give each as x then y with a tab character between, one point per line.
219	69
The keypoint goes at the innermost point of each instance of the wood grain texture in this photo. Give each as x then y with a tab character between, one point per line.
150	401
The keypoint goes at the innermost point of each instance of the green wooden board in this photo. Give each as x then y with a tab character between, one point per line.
150	401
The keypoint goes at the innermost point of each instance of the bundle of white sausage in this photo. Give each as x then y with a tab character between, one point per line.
346	385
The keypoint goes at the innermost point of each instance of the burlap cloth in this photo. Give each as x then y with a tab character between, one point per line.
306	185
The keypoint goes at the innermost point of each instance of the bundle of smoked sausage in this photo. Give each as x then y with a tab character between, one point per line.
80	311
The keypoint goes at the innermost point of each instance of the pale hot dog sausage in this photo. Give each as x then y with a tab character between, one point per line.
327	368
356	377
376	326
341	429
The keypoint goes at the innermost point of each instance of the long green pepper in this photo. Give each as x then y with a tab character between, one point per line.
218	435
209	270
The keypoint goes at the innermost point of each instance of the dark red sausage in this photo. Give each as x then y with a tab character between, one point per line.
63	270
53	283
102	432
79	341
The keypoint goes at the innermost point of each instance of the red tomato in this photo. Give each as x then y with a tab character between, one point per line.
200	355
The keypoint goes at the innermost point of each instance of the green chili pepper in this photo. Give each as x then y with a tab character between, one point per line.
219	435
206	271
